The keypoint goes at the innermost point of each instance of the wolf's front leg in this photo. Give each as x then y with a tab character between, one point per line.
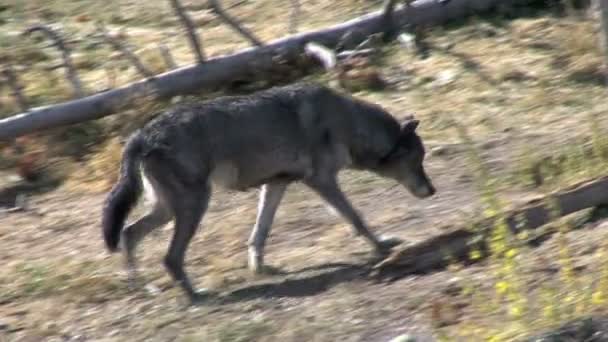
330	191
270	198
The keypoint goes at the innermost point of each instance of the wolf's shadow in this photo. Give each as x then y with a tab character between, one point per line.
316	280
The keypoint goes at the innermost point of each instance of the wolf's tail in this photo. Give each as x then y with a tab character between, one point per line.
124	193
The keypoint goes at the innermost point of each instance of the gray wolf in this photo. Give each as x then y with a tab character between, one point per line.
301	132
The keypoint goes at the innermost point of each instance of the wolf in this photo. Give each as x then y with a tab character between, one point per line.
303	132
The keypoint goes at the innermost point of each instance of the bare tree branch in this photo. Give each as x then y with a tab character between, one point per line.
16	89
294	16
119	46
217	72
167	57
70	71
217	9
195	43
387	18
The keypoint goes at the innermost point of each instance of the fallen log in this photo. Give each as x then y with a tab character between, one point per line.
223	70
458	244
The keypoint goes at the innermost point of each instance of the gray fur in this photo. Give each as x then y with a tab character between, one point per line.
302	132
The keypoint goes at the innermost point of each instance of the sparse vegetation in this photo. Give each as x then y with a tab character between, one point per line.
526	90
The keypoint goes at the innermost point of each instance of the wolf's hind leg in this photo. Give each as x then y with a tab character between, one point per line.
270	198
189	206
135	232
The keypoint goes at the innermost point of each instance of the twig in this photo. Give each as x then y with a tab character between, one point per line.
236	4
125	51
167	57
355	53
217	9
294	16
57	41
195	43
388	20
16	89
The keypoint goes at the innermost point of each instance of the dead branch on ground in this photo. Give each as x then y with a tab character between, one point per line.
195	43
219	11
387	18
458	244
66	55
125	51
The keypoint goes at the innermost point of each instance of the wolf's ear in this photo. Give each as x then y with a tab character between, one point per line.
409	126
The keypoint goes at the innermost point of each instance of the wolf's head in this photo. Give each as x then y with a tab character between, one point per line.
404	163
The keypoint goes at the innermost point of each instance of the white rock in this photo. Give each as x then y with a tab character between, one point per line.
445	77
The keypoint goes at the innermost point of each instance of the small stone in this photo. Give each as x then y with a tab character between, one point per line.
447	45
404	338
440	150
152	289
114	333
444	77
407	40
486	30
453	287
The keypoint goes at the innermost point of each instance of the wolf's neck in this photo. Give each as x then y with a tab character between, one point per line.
372	137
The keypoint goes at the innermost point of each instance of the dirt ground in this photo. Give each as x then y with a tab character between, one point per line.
63	285
522	87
